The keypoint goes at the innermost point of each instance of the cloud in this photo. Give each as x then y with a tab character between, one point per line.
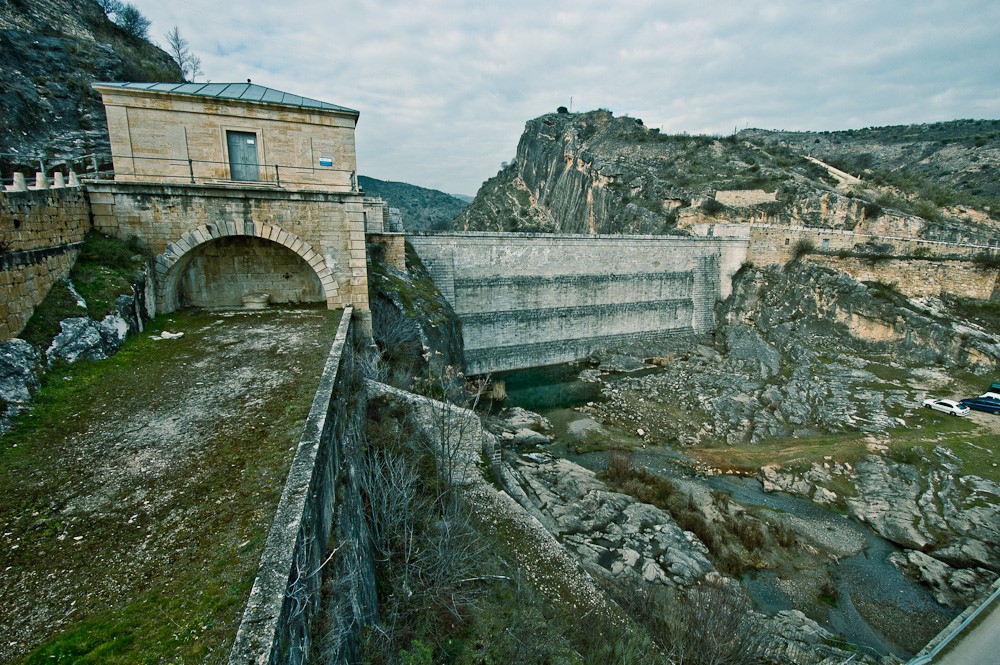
445	86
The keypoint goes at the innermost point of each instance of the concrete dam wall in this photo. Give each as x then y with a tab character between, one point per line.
527	300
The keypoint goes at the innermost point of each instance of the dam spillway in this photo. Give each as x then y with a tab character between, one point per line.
532	299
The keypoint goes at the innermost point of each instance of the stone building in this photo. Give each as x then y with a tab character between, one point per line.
179	132
238	190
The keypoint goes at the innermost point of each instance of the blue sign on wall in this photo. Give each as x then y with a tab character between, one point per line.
326	161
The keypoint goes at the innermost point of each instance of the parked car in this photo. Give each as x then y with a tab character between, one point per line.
991	395
987	404
947	406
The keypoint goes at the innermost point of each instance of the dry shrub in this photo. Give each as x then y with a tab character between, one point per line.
705	625
640	484
749	531
498	390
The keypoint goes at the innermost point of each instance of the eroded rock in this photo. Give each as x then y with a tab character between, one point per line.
953	587
611	534
20	366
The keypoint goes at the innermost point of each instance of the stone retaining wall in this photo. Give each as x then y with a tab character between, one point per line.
40	235
281	622
916	267
527	300
920	278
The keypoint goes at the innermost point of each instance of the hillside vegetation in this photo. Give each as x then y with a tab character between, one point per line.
948	163
423	209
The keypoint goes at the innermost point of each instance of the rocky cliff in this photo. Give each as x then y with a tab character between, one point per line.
801	351
50	53
595	173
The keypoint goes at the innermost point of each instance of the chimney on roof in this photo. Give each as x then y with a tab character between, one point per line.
248	80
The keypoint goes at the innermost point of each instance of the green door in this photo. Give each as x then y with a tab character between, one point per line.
243	164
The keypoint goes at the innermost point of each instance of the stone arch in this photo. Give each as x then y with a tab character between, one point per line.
171	263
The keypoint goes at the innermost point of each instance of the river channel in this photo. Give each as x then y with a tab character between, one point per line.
877	609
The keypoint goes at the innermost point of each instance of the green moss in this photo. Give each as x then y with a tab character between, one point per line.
105	269
43	326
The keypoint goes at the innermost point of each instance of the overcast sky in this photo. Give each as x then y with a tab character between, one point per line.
444	87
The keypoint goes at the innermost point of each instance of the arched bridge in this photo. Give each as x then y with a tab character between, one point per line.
215	244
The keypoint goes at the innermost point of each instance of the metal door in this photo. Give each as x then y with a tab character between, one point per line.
243	164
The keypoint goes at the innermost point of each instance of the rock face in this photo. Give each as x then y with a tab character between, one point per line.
416	329
949	521
20	367
595	173
951	516
611	534
793	358
953	587
50	53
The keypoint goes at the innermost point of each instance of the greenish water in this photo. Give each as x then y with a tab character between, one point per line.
549	388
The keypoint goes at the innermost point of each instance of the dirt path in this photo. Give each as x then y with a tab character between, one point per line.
138	493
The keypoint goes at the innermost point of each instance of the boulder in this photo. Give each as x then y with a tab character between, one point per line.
529	437
20	364
953	587
516	418
83	337
20	367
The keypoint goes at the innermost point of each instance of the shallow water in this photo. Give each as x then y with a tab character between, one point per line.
865	579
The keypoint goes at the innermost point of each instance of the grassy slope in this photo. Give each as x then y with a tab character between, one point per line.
160	573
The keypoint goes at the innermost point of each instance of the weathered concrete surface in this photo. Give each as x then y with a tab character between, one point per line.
537	299
280	623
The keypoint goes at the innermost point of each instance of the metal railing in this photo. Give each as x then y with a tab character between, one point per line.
190	171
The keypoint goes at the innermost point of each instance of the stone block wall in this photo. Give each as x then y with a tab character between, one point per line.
40	235
526	300
920	278
917	267
324	229
394	245
772	243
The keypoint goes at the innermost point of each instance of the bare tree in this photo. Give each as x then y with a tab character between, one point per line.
110	6
180	50
131	20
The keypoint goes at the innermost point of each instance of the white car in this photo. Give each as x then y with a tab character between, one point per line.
991	395
947	406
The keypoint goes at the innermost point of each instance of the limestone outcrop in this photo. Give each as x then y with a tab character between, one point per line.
947	521
611	534
596	173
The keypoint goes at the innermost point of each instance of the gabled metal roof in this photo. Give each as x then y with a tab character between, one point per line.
245	91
